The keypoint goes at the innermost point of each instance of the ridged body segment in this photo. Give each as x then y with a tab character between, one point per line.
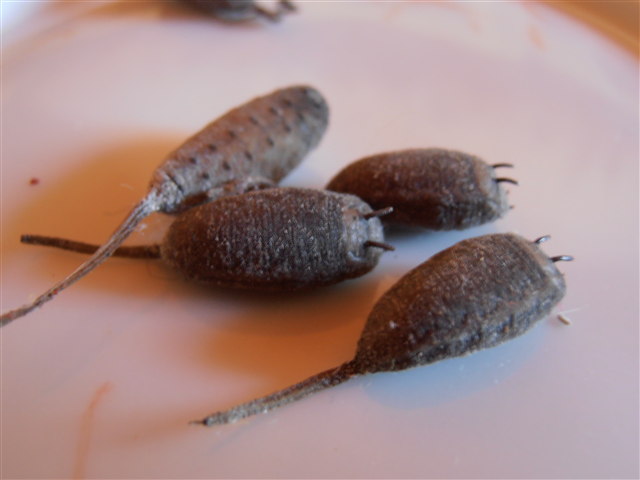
433	188
474	295
274	239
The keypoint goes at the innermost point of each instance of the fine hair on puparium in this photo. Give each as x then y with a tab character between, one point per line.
434	188
279	239
252	146
476	294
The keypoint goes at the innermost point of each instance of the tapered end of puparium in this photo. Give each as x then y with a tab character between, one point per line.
27	238
321	381
220	418
209	422
237	413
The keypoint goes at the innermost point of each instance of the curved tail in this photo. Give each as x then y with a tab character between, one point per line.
135	251
143	209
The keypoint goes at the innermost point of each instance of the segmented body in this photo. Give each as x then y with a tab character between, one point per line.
249	147
476	294
275	239
433	188
253	145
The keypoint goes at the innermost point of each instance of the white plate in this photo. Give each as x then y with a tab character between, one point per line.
102	381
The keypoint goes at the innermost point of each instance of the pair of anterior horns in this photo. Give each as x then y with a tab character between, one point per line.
557	258
504	179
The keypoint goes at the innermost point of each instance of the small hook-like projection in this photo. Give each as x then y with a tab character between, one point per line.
507	180
562	258
377	213
382	245
502	165
544	238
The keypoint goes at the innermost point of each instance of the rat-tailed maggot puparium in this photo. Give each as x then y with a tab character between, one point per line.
278	239
429	187
251	146
476	294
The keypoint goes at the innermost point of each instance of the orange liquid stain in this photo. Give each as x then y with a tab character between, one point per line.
534	8
86	430
536	38
393	11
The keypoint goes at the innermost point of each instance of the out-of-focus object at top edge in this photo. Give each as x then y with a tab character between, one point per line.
618	19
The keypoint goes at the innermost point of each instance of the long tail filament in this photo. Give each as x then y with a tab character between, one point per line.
137	214
328	378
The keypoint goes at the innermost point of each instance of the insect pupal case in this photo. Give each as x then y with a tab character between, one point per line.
476	294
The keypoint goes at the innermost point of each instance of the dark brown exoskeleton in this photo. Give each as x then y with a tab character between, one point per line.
280	239
249	147
433	188
240	10
476	294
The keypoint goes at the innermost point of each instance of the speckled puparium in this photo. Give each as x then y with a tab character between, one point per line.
476	294
275	239
431	187
258	142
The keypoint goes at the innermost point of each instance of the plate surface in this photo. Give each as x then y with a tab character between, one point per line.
101	382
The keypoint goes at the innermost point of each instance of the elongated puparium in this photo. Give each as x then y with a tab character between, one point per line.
431	187
476	294
249	147
279	239
240	10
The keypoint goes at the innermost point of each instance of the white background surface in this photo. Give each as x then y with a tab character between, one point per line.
101	382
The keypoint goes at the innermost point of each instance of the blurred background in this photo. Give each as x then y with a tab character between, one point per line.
619	20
